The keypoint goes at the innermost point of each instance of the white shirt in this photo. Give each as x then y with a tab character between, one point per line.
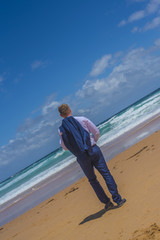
89	127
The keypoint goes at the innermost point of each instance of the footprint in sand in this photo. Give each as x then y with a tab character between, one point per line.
72	190
50	200
152	232
137	154
115	167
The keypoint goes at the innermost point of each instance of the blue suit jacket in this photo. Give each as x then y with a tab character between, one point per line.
75	137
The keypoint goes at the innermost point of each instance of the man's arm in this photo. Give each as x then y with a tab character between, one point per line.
93	129
61	141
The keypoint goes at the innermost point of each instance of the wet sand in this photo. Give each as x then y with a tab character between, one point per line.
76	213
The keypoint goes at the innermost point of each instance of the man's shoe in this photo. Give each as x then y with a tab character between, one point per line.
121	203
109	206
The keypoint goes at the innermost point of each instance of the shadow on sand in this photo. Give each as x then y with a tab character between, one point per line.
93	216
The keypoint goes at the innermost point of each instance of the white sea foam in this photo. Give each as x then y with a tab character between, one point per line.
37	179
16	179
33	168
59	153
142	135
118	131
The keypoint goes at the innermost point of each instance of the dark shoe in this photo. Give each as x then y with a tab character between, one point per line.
121	203
109	206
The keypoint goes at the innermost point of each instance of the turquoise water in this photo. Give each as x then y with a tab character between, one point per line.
110	129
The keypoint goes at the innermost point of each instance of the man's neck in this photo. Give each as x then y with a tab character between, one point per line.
68	115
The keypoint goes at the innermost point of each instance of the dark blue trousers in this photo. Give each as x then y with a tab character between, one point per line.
97	160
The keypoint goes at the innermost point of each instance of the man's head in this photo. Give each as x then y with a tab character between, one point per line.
64	110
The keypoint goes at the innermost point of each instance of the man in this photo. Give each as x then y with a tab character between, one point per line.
79	135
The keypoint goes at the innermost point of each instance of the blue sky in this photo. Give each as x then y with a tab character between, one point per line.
97	56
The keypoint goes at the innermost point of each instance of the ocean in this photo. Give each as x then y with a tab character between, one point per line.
27	180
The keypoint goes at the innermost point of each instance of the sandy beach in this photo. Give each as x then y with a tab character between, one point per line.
76	213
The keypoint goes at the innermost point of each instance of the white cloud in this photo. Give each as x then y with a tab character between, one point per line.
153	24
38	64
118	54
50	107
122	23
135	29
32	137
157	42
137	67
83	111
136	16
151	8
90	87
100	65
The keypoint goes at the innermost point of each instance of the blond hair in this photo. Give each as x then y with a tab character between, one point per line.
64	110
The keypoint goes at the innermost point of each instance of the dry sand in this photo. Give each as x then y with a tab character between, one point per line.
76	213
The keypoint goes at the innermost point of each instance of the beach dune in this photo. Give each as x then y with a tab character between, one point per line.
76	213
